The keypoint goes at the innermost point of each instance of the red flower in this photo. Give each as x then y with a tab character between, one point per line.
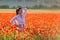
35	31
27	29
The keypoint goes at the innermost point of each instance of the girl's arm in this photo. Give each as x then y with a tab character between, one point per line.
24	10
12	21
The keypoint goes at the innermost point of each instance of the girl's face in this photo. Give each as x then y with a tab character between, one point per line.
20	11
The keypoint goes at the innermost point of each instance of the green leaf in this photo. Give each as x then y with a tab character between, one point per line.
1	38
21	39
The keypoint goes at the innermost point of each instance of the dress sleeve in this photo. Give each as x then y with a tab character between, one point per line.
24	10
12	20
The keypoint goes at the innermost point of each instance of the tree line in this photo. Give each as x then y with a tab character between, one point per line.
34	7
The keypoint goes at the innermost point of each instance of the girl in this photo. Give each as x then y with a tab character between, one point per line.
19	19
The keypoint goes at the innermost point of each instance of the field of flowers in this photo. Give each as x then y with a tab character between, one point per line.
38	27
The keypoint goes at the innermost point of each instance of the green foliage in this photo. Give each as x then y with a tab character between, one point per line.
38	37
21	39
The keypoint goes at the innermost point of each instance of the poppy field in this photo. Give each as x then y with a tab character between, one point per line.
43	26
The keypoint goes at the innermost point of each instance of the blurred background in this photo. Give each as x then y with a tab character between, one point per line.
30	4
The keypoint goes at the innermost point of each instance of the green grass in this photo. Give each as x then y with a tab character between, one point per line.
31	10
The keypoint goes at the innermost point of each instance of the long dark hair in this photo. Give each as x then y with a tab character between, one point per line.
17	10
